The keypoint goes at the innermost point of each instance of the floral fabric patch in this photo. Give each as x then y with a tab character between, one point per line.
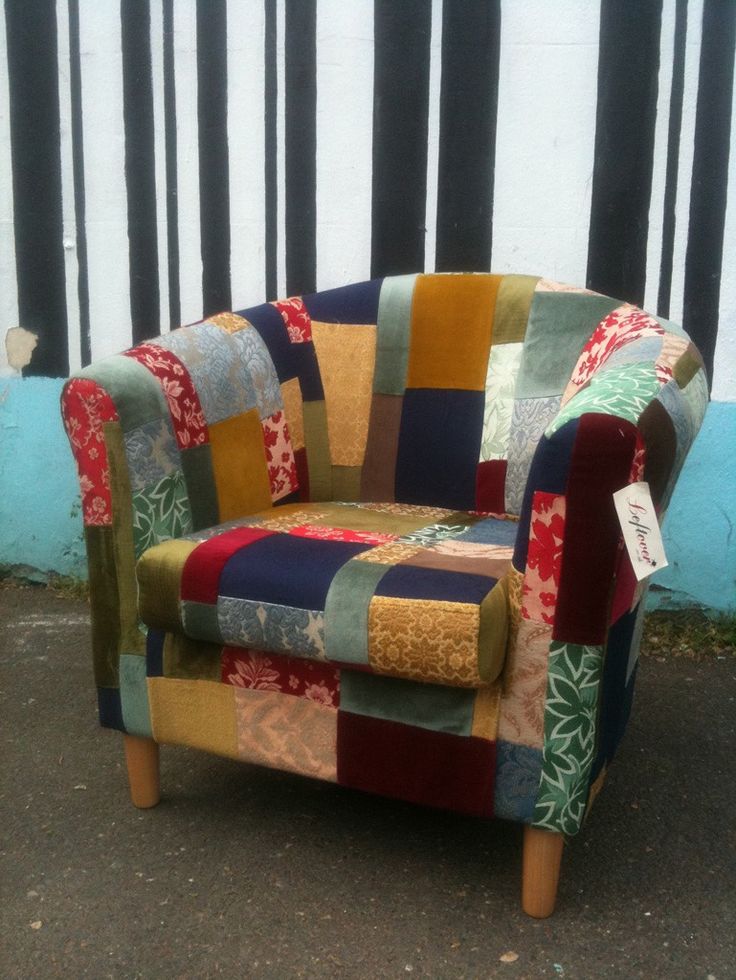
259	671
544	560
296	319
85	409
282	473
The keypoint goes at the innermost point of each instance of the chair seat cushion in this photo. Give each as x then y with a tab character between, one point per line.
401	590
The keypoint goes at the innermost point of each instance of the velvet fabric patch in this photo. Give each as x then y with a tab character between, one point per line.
414	764
413	582
356	303
290	360
393	328
490	486
200	577
240	466
439	445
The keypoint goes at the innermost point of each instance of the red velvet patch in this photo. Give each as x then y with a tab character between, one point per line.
200	578
85	408
297	676
453	772
601	463
185	407
490	482
302	474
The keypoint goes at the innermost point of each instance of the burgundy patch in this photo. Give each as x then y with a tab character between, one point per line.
490	482
200	579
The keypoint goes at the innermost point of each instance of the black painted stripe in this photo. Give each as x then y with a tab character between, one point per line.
673	157
140	174
400	128
300	146
214	167
270	94
172	180
704	256
628	68
471	34
33	82
75	87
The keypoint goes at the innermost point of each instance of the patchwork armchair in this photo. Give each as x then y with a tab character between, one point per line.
368	536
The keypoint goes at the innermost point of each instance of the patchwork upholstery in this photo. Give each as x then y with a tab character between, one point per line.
367	535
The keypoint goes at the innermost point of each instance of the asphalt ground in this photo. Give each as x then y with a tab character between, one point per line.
245	872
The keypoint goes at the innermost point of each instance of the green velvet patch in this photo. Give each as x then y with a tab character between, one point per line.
346	482
196	464
559	327
440	709
317	445
493	631
392	345
346	610
103	591
191	659
134	695
513	302
200	621
134	390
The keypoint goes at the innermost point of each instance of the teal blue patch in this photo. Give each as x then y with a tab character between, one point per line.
134	696
439	709
346	610
393	335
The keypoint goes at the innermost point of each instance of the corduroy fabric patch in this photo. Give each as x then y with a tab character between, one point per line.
439	444
239	465
414	764
452	320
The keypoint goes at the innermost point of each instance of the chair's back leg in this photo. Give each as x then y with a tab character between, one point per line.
141	758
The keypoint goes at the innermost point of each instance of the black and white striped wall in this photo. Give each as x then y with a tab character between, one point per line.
165	158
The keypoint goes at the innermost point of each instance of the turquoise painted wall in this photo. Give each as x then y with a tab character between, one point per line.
40	518
41	526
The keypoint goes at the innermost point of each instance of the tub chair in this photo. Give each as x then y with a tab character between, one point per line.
367	535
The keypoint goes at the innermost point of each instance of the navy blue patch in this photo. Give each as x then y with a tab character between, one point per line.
438	584
290	360
616	695
439	447
287	570
155	653
110	708
548	473
357	303
489	530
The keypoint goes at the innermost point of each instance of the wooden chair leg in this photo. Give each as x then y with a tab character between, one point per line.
541	871
141	758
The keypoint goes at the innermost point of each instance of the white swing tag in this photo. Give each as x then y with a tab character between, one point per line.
640	529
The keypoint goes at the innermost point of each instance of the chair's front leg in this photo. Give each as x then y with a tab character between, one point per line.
141	758
541	871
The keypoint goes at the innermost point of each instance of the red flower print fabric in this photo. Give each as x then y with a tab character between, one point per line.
544	559
85	409
282	473
296	318
342	534
313	681
622	326
187	416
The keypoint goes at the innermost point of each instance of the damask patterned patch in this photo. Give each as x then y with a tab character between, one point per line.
279	457
525	684
531	416
257	360
570	714
296	319
181	396
266	626
503	367
161	512
544	558
151	453
85	409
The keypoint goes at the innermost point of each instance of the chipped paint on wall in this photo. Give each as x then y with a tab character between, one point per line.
19	347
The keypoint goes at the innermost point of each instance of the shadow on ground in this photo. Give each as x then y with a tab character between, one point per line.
244	872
